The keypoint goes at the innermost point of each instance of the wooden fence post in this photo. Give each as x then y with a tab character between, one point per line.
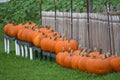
40	6
55	13
112	32
71	21
88	23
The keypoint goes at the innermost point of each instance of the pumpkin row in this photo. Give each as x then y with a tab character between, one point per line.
92	62
68	54
42	37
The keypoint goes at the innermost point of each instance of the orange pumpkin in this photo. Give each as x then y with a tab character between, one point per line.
7	26
10	29
98	66
67	60
19	35
66	44
61	56
45	44
76	57
59	45
37	39
95	53
29	24
115	63
82	62
52	44
46	30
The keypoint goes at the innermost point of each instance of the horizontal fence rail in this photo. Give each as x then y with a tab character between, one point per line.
98	28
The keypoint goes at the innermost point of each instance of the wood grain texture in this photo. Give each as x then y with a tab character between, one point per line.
98	27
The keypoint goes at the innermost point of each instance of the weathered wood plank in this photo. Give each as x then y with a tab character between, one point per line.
99	31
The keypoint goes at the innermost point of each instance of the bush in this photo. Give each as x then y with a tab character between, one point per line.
21	11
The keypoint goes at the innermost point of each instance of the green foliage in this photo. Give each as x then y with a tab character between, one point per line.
21	11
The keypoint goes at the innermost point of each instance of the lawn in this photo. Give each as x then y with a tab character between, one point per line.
14	67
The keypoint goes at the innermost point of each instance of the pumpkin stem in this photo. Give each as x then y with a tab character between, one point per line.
48	27
100	51
102	57
79	52
69	49
52	30
71	53
42	33
93	57
50	37
33	28
13	22
60	36
79	47
40	26
55	38
26	26
30	22
54	34
108	54
87	53
63	37
83	51
63	49
95	49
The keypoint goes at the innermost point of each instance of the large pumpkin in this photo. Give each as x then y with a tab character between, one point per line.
52	44
72	44
59	45
98	66
67	60
115	63
82	61
37	39
6	27
11	30
76	57
45	44
61	56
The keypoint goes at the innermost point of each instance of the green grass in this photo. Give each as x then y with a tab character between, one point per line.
14	67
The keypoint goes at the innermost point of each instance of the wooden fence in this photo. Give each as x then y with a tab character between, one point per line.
98	29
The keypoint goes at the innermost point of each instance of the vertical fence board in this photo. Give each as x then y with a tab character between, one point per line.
98	26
